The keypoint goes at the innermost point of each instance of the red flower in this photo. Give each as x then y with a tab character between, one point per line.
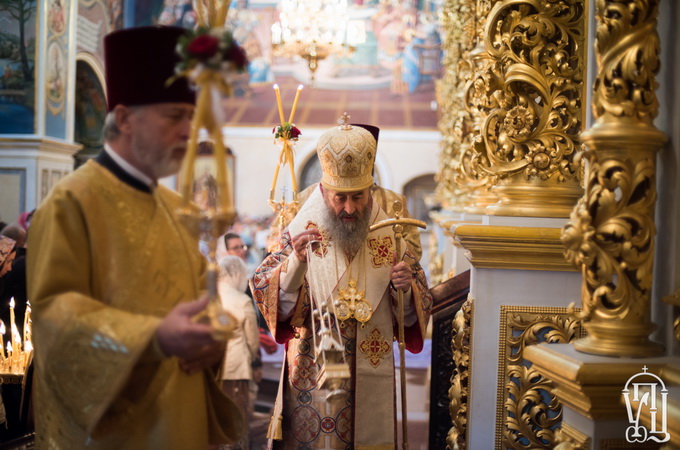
204	47
295	132
236	55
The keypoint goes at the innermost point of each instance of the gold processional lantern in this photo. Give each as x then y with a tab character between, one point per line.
210	57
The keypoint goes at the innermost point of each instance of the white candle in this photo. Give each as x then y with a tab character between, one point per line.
11	320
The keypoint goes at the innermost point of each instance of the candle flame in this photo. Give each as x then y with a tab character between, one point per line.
300	87
9	348
276	86
11	303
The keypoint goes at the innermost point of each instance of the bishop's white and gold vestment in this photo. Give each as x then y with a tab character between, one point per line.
365	418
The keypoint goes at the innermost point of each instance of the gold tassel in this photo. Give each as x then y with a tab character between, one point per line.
275	431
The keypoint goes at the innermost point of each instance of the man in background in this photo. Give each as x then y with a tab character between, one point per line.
114	278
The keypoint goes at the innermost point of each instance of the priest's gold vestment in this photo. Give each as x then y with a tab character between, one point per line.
106	263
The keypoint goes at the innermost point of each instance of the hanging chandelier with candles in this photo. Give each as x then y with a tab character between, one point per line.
313	30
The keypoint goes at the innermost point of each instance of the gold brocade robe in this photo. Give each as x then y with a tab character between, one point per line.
365	417
106	262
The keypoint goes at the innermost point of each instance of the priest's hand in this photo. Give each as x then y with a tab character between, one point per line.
401	275
192	342
300	241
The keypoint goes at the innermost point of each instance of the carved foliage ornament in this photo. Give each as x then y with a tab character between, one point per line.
458	21
611	236
459	393
534	130
529	414
627	48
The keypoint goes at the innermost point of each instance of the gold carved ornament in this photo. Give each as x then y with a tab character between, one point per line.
527	412
457	22
530	138
459	392
610	236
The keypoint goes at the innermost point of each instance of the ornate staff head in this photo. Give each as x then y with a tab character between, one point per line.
210	58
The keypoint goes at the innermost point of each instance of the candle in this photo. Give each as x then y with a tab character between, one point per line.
278	102
11	320
295	102
27	323
2	332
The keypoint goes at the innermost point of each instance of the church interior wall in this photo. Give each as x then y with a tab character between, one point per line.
402	156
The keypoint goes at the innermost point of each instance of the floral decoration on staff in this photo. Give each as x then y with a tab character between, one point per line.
286	131
210	58
287	134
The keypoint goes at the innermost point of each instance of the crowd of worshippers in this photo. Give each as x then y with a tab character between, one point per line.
116	282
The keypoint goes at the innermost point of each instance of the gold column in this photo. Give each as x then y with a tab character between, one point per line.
457	20
611	232
533	55
479	100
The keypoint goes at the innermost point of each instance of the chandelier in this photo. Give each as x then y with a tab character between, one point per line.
313	30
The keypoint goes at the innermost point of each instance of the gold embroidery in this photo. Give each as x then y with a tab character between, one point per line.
382	251
375	347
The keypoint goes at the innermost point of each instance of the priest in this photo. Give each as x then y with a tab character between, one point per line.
329	255
114	279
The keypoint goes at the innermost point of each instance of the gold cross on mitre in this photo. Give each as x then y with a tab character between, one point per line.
344	121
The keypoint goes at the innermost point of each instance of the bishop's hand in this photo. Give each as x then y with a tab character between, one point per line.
401	275
300	242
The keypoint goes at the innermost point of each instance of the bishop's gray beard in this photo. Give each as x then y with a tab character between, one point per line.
349	236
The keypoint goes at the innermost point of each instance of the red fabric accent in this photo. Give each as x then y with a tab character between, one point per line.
267	342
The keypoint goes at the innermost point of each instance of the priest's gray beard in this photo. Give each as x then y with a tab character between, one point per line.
349	236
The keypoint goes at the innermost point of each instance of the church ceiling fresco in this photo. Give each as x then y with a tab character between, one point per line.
388	80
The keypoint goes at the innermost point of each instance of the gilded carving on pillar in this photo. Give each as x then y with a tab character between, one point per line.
457	19
459	393
611	232
527	414
529	137
479	103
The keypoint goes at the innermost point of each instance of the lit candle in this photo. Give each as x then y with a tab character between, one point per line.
295	102
11	319
278	103
2	332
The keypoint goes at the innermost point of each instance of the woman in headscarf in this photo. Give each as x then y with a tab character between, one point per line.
244	344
